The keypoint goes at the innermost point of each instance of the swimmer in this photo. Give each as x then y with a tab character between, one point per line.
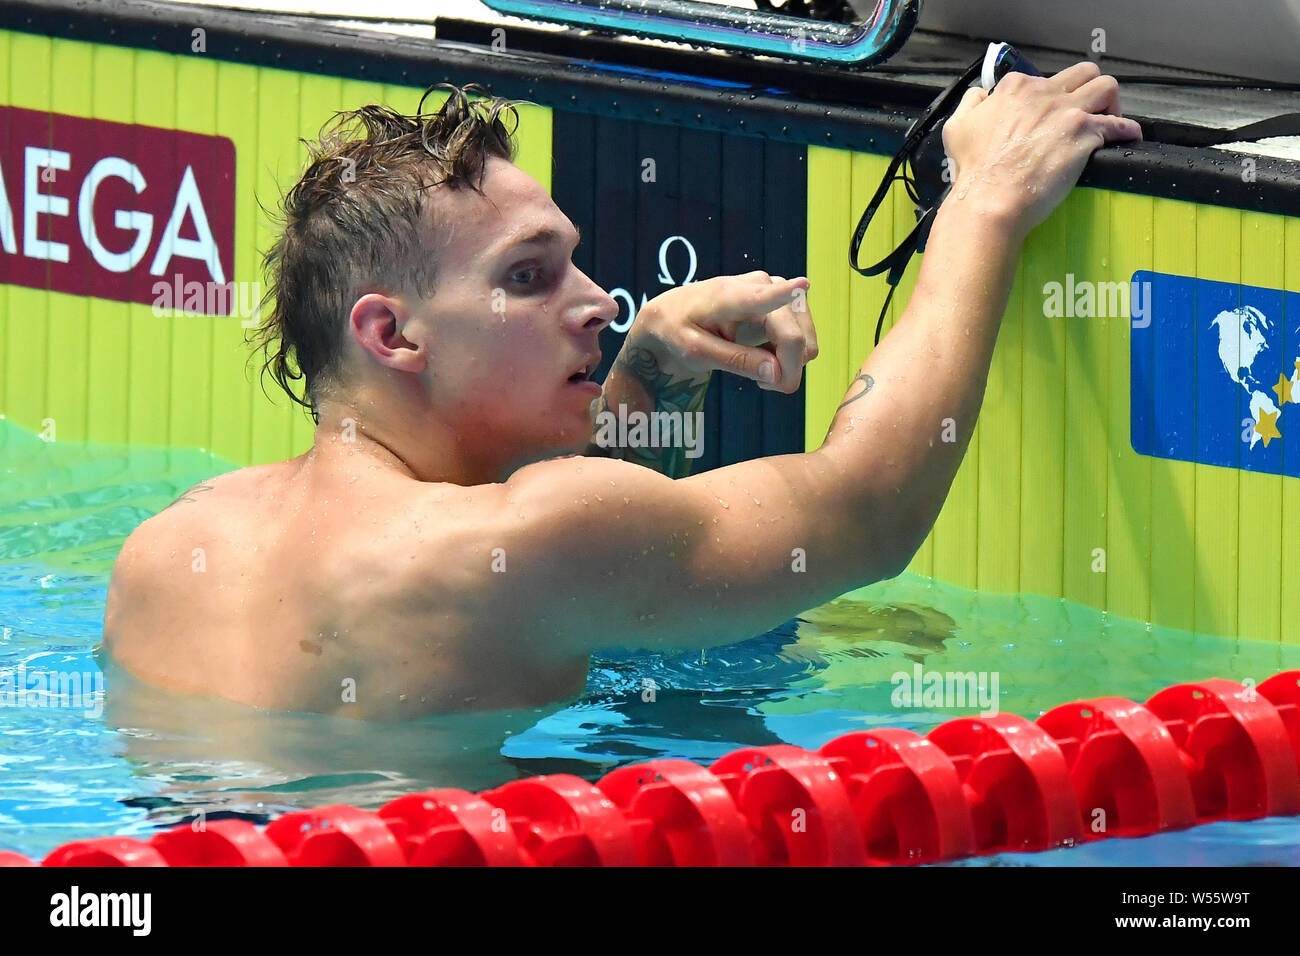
454	540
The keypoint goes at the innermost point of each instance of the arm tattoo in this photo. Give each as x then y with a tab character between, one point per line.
669	394
666	394
867	382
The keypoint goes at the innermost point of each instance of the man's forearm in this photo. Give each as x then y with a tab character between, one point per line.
642	379
906	420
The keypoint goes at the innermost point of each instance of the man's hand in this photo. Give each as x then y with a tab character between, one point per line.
754	325
1018	151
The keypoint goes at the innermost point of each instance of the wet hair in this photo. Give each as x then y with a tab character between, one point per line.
355	223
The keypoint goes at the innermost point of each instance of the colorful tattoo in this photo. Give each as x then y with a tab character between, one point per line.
662	393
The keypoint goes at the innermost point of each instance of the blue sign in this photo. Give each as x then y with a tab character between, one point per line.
1215	373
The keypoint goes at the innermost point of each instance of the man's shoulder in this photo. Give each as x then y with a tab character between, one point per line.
150	547
193	504
241	482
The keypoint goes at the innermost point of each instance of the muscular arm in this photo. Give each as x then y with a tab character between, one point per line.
932	366
611	554
616	555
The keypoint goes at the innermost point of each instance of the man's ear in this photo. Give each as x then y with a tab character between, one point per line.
376	324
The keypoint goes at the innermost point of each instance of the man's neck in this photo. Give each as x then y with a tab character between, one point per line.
417	445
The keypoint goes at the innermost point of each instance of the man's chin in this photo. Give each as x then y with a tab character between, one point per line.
560	446
575	446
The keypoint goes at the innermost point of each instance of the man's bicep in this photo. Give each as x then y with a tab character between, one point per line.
783	538
588	544
616	555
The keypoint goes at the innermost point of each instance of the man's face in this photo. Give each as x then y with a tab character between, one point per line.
511	322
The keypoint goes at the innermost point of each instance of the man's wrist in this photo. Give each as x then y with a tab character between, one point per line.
644	343
994	224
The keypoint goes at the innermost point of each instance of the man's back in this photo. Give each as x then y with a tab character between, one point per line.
343	588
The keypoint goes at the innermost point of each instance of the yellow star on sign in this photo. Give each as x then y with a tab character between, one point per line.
1266	427
1283	389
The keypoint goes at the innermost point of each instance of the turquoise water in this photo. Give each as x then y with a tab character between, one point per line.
128	758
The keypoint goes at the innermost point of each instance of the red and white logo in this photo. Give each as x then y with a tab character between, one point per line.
105	209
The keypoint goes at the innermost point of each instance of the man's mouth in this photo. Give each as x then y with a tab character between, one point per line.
585	373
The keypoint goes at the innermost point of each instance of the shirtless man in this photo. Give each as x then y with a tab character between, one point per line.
445	545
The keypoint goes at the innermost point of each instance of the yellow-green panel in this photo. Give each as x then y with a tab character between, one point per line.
27	353
354	94
1128	480
319	97
1000	425
955	530
1260	528
234	387
1218	258
30	70
405	99
1042	456
150	381
191	362
279	161
1173	483
951	544
829	180
69	316
110	322
1087	391
904	221
534	155
113	69
866	293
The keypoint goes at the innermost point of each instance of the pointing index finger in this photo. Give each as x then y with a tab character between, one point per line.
778	293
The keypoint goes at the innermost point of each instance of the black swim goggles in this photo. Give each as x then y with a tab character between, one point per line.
999	60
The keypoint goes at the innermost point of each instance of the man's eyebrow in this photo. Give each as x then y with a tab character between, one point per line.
545	235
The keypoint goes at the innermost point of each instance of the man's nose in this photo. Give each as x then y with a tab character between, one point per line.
598	308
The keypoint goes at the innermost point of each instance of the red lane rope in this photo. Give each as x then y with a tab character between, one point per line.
1084	771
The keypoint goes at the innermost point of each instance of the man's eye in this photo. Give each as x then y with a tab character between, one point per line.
527	276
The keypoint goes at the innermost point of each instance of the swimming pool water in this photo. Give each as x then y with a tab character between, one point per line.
132	758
